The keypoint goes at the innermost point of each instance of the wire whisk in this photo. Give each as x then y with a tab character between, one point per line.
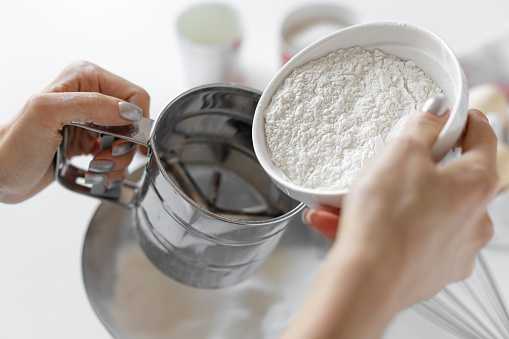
471	308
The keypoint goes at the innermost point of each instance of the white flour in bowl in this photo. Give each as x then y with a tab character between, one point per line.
332	114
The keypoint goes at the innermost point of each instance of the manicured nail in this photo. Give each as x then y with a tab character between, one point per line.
122	149
95	178
101	166
129	111
306	216
436	105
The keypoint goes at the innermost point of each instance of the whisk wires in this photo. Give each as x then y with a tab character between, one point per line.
472	308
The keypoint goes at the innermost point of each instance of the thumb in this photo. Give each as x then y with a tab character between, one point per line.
425	125
91	107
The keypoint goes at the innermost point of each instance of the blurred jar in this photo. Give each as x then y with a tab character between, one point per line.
210	35
305	25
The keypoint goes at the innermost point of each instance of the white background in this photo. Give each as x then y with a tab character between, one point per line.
41	291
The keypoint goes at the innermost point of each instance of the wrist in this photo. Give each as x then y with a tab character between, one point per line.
353	297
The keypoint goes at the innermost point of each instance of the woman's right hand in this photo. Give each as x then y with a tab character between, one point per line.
424	221
407	228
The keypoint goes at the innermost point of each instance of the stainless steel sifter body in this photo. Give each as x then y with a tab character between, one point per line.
205	212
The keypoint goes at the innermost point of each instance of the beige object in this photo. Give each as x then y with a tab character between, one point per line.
489	98
503	165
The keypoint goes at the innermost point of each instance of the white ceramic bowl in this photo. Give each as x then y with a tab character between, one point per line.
406	41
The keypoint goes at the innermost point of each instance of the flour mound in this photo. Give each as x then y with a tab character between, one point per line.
332	114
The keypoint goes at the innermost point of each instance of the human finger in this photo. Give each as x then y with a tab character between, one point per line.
89	107
480	235
105	178
113	176
327	209
105	161
475	171
324	220
118	87
479	140
121	147
484	230
426	123
82	76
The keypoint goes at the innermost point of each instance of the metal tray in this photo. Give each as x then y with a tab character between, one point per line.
134	300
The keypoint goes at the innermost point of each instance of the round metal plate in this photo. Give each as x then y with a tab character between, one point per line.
135	300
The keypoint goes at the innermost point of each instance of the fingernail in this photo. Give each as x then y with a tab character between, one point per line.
101	166
122	149
306	216
436	105
95	178
129	111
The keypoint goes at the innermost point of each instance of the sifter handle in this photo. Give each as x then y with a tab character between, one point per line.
72	177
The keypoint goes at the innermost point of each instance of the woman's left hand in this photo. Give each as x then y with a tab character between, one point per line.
83	92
